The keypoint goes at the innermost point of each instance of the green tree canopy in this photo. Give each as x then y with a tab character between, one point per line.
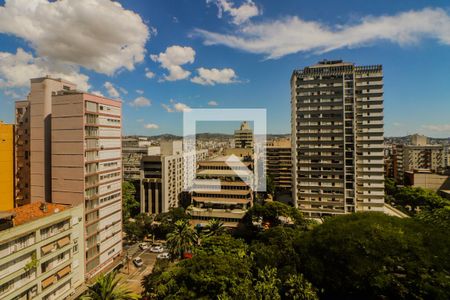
373	256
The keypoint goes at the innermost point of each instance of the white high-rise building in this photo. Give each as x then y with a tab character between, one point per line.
337	138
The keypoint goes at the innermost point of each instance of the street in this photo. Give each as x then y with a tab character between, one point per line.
133	275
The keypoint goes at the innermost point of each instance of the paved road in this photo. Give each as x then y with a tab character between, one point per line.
134	275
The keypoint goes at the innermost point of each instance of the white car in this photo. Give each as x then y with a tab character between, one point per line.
164	255
143	246
138	262
157	249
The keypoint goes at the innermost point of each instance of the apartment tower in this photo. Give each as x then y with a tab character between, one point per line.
243	137
337	138
87	168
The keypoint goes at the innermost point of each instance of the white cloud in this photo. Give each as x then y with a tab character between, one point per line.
17	69
151	126
98	93
292	34
141	102
437	127
238	14
214	76
140	92
172	59
112	91
213	103
181	107
123	90
99	35
167	107
149	74
175	107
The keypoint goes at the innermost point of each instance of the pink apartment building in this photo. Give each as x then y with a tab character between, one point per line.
75	140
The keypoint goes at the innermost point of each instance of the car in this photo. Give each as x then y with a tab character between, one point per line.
157	249
143	246
138	262
163	255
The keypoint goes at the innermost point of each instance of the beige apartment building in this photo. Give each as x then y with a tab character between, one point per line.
162	178
279	163
41	251
221	194
337	137
71	154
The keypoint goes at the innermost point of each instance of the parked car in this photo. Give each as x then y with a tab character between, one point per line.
163	255
143	246
157	249
138	262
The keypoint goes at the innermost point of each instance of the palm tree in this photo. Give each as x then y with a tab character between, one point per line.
215	227
181	239
109	287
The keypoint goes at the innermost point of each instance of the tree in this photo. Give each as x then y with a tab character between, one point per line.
181	240
414	199
214	227
266	287
296	287
373	256
270	184
129	203
220	268
165	222
109	287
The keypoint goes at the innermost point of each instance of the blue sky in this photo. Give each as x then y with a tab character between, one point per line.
227	54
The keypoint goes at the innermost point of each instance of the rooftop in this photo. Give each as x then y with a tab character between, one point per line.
30	212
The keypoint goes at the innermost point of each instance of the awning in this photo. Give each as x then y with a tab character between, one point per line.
63	272
48	281
47	249
64	241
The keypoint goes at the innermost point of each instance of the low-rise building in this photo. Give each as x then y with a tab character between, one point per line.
41	251
427	180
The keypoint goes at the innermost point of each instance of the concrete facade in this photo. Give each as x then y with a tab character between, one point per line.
162	178
243	137
227	200
337	138
41	253
279	163
22	145
87	169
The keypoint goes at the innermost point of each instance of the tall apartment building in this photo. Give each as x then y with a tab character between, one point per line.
36	131
7	166
243	137
162	178
41	251
22	149
226	200
87	169
337	135
279	163
71	142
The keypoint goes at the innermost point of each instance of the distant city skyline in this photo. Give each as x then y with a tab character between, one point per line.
174	55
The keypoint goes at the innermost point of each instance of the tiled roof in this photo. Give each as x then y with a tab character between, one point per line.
30	212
